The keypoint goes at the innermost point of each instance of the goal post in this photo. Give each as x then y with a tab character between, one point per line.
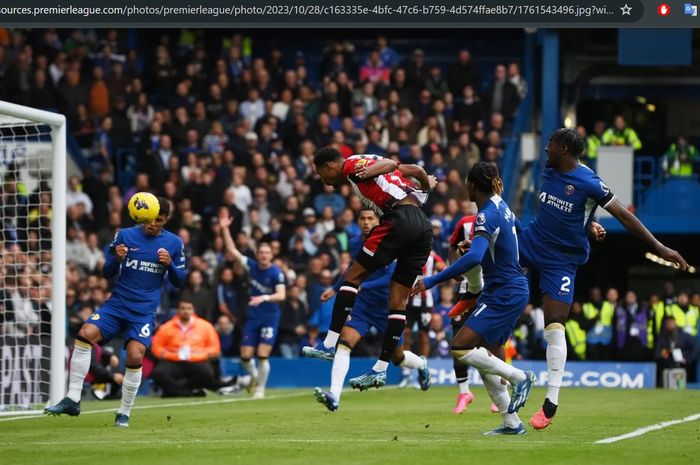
21	126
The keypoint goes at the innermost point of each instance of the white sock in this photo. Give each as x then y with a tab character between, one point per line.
412	361
406	372
79	367
463	387
499	395
331	339
486	362
475	280
380	365
341	365
130	386
263	374
556	359
249	366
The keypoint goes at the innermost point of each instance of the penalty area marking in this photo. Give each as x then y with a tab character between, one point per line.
647	429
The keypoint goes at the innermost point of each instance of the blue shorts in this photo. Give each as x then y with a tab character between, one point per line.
260	329
113	320
556	279
495	321
362	319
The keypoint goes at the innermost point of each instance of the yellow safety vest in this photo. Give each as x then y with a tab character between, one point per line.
687	321
577	338
602	331
593	144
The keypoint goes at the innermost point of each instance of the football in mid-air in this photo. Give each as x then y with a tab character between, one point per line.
143	207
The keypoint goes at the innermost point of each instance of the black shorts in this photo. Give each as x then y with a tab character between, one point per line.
420	315
404	234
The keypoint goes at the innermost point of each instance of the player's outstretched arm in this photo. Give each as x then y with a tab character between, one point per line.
427	183
225	222
465	263
379	167
633	225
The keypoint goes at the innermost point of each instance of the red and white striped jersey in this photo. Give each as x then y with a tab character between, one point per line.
463	230
425	298
379	193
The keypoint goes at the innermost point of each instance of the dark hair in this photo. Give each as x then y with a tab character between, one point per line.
164	207
485	177
367	209
326	155
570	139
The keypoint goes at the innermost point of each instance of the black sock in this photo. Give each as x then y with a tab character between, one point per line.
461	371
549	408
392	335
343	306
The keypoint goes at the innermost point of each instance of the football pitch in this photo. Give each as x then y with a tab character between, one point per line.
377	427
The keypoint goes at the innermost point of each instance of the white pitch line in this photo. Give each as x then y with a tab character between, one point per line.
646	429
172	404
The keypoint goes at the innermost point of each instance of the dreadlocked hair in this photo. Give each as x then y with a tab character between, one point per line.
570	139
485	177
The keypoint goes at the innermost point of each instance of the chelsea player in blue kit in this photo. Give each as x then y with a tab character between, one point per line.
267	290
140	257
556	244
502	300
370	310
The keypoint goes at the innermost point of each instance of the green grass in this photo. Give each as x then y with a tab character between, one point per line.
377	427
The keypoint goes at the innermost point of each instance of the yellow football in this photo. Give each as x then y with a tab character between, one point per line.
143	207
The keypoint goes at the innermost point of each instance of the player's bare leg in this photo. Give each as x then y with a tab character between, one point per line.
88	336
376	377
135	351
263	353
555	315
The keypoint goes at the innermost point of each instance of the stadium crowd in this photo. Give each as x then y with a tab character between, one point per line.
236	128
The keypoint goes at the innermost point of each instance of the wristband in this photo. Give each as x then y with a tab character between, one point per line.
266	298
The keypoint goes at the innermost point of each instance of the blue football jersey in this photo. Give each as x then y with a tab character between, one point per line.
559	232
263	282
502	271
139	276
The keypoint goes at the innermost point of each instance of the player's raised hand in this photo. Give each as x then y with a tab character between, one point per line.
672	256
164	257
418	287
327	294
120	252
432	180
257	300
596	232
225	220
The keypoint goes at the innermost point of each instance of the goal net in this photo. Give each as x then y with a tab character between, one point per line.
32	258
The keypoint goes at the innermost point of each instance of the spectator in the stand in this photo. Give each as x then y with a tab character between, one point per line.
675	349
502	96
388	55
374	70
469	109
681	158
463	73
621	134
75	195
186	346
517	80
292	321
99	94
600	313
685	314
329	198
199	295
633	340
576	327
416	70
226	297
436	84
